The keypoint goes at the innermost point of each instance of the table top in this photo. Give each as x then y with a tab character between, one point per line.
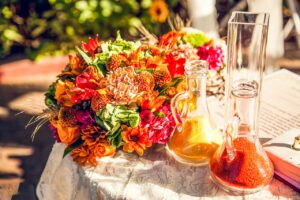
127	176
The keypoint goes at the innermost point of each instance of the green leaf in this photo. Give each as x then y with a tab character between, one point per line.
71	147
114	129
13	35
68	150
101	69
159	114
196	39
150	70
103	124
50	100
174	83
134	120
86	58
116	139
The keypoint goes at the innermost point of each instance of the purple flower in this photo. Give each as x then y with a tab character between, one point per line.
85	118
54	132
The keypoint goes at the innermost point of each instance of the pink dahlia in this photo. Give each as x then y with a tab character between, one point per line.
160	124
213	55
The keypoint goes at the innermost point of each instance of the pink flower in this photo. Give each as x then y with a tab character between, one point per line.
84	118
160	124
213	55
146	117
54	132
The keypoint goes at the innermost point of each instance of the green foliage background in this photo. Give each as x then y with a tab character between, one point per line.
50	27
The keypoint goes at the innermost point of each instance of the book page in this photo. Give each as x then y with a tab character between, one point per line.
280	104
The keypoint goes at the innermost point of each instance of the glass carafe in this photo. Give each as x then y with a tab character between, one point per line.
195	137
241	165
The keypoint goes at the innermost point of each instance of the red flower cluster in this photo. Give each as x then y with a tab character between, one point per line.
175	65
91	46
86	85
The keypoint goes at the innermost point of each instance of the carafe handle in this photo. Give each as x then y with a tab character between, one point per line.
230	131
179	111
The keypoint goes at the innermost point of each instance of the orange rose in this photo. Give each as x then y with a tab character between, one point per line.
67	135
83	156
102	148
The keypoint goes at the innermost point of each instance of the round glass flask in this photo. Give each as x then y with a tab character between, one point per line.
195	138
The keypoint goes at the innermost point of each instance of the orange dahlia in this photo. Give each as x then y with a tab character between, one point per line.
145	81
91	134
84	156
99	100
63	93
171	92
117	60
162	77
170	39
76	64
136	139
150	101
159	10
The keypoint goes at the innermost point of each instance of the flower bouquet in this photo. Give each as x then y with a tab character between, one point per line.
116	94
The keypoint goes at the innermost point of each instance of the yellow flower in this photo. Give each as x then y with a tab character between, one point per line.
159	11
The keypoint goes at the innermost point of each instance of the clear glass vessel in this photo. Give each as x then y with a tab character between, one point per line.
195	137
241	165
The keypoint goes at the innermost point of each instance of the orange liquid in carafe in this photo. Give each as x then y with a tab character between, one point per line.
197	141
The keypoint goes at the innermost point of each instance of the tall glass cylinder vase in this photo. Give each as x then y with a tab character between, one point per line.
241	165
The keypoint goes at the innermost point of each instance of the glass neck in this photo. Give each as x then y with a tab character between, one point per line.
196	85
245	108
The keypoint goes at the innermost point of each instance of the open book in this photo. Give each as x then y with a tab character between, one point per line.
279	122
